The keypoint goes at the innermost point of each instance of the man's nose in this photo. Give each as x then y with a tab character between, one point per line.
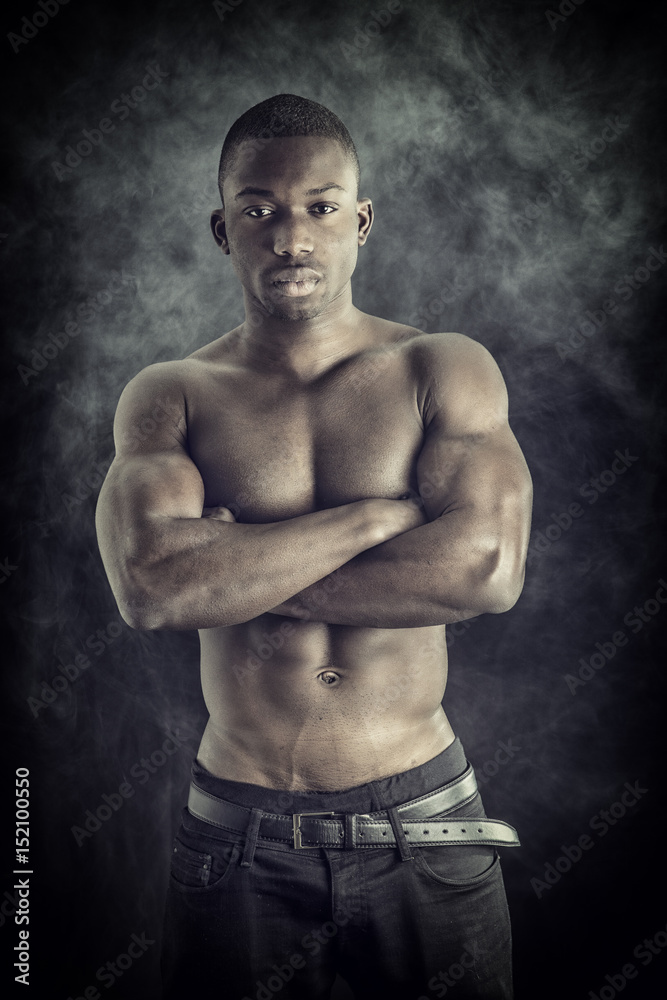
291	237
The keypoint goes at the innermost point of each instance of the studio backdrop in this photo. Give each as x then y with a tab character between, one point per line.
513	154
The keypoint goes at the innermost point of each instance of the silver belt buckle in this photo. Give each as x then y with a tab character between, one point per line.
296	828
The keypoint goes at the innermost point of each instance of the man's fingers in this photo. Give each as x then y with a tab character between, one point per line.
218	513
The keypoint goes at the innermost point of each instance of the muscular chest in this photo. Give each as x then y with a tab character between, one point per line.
269	450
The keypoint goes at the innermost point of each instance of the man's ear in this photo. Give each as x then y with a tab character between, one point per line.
218	229
365	216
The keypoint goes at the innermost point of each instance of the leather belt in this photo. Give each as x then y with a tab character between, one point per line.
365	829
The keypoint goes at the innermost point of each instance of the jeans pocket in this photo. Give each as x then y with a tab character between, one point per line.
458	866
195	870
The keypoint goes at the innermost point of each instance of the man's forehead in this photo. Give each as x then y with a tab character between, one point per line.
311	164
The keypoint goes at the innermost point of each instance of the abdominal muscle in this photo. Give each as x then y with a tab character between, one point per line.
305	705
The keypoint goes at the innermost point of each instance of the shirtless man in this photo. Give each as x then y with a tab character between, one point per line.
324	493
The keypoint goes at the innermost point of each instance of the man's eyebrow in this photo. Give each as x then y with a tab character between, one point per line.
262	192
327	187
265	193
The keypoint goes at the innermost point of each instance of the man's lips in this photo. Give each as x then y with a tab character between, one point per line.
295	274
295	281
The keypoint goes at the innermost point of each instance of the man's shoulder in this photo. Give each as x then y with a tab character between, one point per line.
159	393
446	347
457	375
390	334
163	378
174	377
449	358
443	358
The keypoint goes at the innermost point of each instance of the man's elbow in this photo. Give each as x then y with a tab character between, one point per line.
141	613
501	563
499	599
141	600
500	586
497	583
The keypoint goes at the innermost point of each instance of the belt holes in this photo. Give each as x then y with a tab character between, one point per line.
384	833
479	830
425	831
463	830
445	831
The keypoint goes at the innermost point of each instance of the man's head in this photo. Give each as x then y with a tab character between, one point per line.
282	116
291	219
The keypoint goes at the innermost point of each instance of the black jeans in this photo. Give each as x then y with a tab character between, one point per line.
285	926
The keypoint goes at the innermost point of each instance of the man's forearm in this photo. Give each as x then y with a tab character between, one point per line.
436	574
187	573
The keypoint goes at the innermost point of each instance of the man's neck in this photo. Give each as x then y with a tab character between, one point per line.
302	348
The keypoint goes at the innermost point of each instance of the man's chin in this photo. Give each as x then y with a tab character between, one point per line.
295	311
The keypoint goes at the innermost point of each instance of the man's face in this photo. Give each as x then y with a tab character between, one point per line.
293	224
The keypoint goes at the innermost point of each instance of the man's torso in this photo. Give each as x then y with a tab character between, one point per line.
304	704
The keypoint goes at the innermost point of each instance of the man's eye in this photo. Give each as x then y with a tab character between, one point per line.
324	209
259	213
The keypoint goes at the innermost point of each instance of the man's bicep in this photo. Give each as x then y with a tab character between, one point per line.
470	457
157	484
480	473
152	475
151	412
139	500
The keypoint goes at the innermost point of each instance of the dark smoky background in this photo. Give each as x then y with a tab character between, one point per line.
514	155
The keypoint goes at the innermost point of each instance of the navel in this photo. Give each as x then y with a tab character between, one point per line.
329	677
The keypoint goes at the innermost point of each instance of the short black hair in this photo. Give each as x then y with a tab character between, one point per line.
281	116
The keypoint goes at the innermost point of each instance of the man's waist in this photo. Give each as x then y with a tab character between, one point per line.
326	757
422	820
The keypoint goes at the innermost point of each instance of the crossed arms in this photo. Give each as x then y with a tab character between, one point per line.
458	553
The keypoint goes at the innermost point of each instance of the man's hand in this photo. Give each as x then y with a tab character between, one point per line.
394	517
218	514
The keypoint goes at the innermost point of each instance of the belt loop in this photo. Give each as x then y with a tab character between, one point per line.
251	837
399	834
350	831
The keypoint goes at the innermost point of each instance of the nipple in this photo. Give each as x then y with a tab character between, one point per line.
329	677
